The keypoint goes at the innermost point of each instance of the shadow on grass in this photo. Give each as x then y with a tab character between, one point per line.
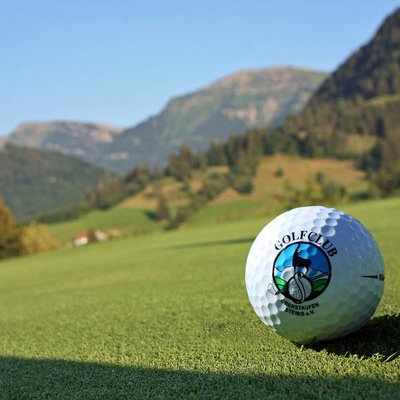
214	243
379	338
151	214
56	379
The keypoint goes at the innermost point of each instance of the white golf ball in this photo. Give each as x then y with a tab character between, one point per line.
314	273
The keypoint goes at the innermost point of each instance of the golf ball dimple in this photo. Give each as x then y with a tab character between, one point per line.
314	273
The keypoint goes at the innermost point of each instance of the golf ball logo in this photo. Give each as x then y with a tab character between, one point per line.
301	272
314	273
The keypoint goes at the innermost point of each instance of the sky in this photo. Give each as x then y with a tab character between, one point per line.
120	61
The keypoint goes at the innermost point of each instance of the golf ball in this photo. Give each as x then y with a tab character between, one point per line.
314	273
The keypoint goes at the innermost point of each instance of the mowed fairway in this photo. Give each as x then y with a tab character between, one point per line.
166	315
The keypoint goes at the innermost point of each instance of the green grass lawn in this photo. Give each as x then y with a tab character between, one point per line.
127	220
166	315
225	212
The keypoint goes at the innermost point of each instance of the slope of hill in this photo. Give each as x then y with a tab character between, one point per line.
117	221
136	214
372	71
355	111
361	96
273	174
246	99
33	180
84	140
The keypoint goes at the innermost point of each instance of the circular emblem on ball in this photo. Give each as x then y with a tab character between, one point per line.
301	272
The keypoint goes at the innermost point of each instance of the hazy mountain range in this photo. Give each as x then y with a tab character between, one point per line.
252	98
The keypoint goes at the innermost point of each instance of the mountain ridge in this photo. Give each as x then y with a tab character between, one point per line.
85	140
230	105
254	98
359	69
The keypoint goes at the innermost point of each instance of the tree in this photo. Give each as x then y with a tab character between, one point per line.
215	154
188	156
179	168
163	212
36	239
317	189
10	234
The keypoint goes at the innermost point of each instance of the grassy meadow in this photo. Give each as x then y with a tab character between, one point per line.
166	315
124	221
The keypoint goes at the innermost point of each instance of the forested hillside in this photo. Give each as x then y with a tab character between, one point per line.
34	180
355	113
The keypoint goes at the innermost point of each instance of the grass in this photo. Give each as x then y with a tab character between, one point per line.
268	183
173	190
226	212
166	315
126	220
230	205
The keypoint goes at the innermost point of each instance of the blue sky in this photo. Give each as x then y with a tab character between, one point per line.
119	61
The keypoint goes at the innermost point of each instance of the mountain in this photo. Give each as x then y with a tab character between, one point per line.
372	71
252	98
33	180
358	102
355	112
84	140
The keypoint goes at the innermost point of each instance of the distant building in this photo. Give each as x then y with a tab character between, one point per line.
81	238
85	237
